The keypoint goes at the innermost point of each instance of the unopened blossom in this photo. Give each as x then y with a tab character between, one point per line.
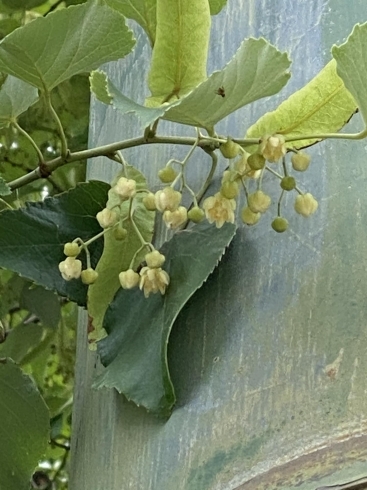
259	202
107	218
154	259
125	188
174	219
249	217
273	148
306	204
89	276
153	280
219	209
70	268
129	279
167	199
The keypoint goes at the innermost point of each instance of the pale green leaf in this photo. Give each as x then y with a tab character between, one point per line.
144	12
216	6
351	59
135	351
15	98
24	427
22	4
117	254
180	50
99	86
324	105
52	49
4	188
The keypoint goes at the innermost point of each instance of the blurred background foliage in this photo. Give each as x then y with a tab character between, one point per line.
37	328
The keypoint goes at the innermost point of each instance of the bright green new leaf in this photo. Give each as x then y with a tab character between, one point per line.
24	428
144	12
351	59
77	39
15	98
257	70
32	238
216	6
180	50
135	351
117	254
324	105
4	188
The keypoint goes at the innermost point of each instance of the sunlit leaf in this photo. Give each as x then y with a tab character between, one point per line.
135	351
78	39
117	254
15	98
180	50
351	60
324	105
24	427
32	238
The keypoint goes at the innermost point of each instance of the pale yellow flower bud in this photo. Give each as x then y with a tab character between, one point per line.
273	147
71	249
129	279
249	217
89	276
153	280
300	161
167	199
305	204
219	209
125	188
70	268
149	201
259	202
174	219
154	259
107	218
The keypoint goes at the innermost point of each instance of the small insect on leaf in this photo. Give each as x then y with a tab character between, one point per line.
221	92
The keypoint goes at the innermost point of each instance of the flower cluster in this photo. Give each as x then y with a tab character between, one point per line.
71	267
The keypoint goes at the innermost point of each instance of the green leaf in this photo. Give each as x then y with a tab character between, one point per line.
21	340
257	70
78	39
22	4
32	238
15	98
324	105
4	188
180	50
117	254
351	59
24	427
42	303
135	351
144	12
216	6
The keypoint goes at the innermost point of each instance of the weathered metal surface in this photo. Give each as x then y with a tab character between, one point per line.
269	358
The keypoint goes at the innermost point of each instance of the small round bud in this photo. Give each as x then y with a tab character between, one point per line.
229	176
305	204
70	268
229	189
259	202
89	276
167	175
249	217
256	161
241	166
107	218
300	161
129	279
229	149
273	147
174	219
279	224
149	202
154	259
196	214
288	183
167	199
125	188
71	249
120	233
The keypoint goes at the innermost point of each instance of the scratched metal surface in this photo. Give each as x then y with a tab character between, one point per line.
269	358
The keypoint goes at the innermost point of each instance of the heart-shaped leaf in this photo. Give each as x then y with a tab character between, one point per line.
135	351
32	238
24	427
77	39
324	105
